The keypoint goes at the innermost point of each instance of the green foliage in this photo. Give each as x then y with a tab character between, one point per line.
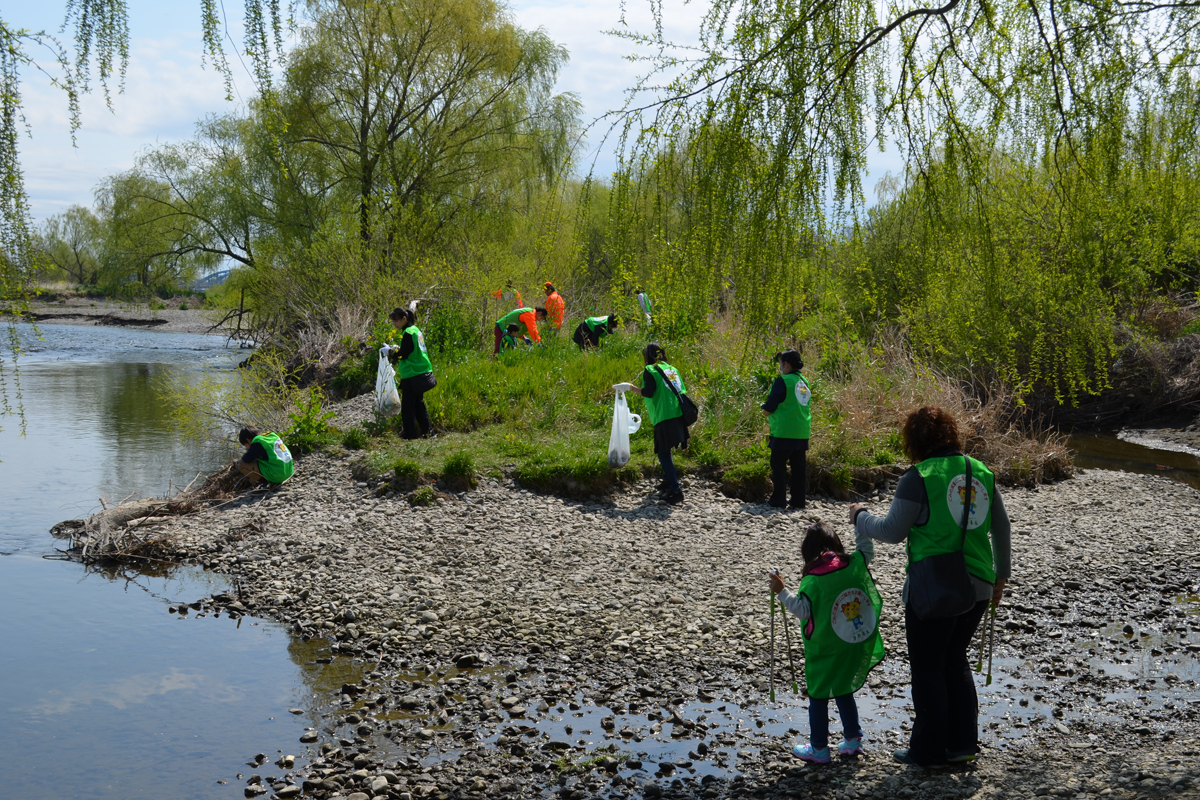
424	496
458	472
310	429
750	482
354	439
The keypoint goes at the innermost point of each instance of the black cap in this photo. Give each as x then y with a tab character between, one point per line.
791	357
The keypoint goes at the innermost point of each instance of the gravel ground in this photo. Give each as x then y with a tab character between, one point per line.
504	643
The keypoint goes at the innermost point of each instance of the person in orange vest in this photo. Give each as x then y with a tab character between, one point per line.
529	317
554	306
508	293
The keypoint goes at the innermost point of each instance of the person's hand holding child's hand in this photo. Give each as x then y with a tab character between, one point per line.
776	580
854	509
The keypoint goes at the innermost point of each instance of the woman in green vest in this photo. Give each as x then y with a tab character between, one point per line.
665	412
593	329
266	458
416	374
840	607
927	513
789	414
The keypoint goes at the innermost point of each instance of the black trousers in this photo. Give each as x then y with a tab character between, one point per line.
585	338
413	414
945	707
779	475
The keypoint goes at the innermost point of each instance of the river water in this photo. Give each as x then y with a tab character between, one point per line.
104	693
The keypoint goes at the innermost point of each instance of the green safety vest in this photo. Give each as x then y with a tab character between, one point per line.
277	467
513	316
945	488
792	419
600	323
842	643
417	362
663	405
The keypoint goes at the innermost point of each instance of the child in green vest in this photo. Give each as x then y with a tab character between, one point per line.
661	386
788	411
266	458
509	342
840	607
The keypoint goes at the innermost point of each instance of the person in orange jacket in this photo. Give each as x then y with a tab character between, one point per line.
529	317
554	306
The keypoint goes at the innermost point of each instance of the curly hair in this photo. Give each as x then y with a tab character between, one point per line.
819	539
928	430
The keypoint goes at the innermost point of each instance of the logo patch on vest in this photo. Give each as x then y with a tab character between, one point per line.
672	376
803	395
421	341
853	616
281	451
956	495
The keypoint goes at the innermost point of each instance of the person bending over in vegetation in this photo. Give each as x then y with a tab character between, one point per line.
840	607
266	458
512	338
529	317
508	293
416	374
555	307
790	417
928	512
660	383
593	329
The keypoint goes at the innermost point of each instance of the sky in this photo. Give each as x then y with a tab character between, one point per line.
168	88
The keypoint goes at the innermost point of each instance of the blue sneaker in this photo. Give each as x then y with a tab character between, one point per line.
806	752
850	747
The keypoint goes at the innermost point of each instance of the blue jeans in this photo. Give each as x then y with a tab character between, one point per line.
670	477
818	719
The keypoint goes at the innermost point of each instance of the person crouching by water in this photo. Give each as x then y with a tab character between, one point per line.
665	412
840	607
789	414
927	511
266	458
416	374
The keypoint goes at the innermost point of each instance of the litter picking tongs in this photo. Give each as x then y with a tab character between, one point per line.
992	609
787	634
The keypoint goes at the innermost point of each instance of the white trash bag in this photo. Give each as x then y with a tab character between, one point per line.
387	399
618	441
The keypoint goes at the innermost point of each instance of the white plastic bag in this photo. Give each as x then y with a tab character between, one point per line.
618	441
387	399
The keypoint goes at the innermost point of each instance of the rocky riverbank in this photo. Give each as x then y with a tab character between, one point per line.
500	643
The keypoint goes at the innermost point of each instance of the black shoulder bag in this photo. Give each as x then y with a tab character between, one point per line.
690	412
939	586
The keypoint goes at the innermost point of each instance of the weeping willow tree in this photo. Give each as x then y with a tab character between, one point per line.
742	157
98	49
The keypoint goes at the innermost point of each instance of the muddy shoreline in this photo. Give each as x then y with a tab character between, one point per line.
81	311
505	643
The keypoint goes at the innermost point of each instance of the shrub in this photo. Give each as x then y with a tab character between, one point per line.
407	474
750	482
310	429
423	496
354	439
458	473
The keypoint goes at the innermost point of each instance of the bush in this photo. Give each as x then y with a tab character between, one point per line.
354	439
406	475
422	497
310	429
458	473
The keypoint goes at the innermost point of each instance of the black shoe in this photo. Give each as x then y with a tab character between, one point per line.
798	506
662	488
674	498
773	503
904	758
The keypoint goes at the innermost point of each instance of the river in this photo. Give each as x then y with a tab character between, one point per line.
105	694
